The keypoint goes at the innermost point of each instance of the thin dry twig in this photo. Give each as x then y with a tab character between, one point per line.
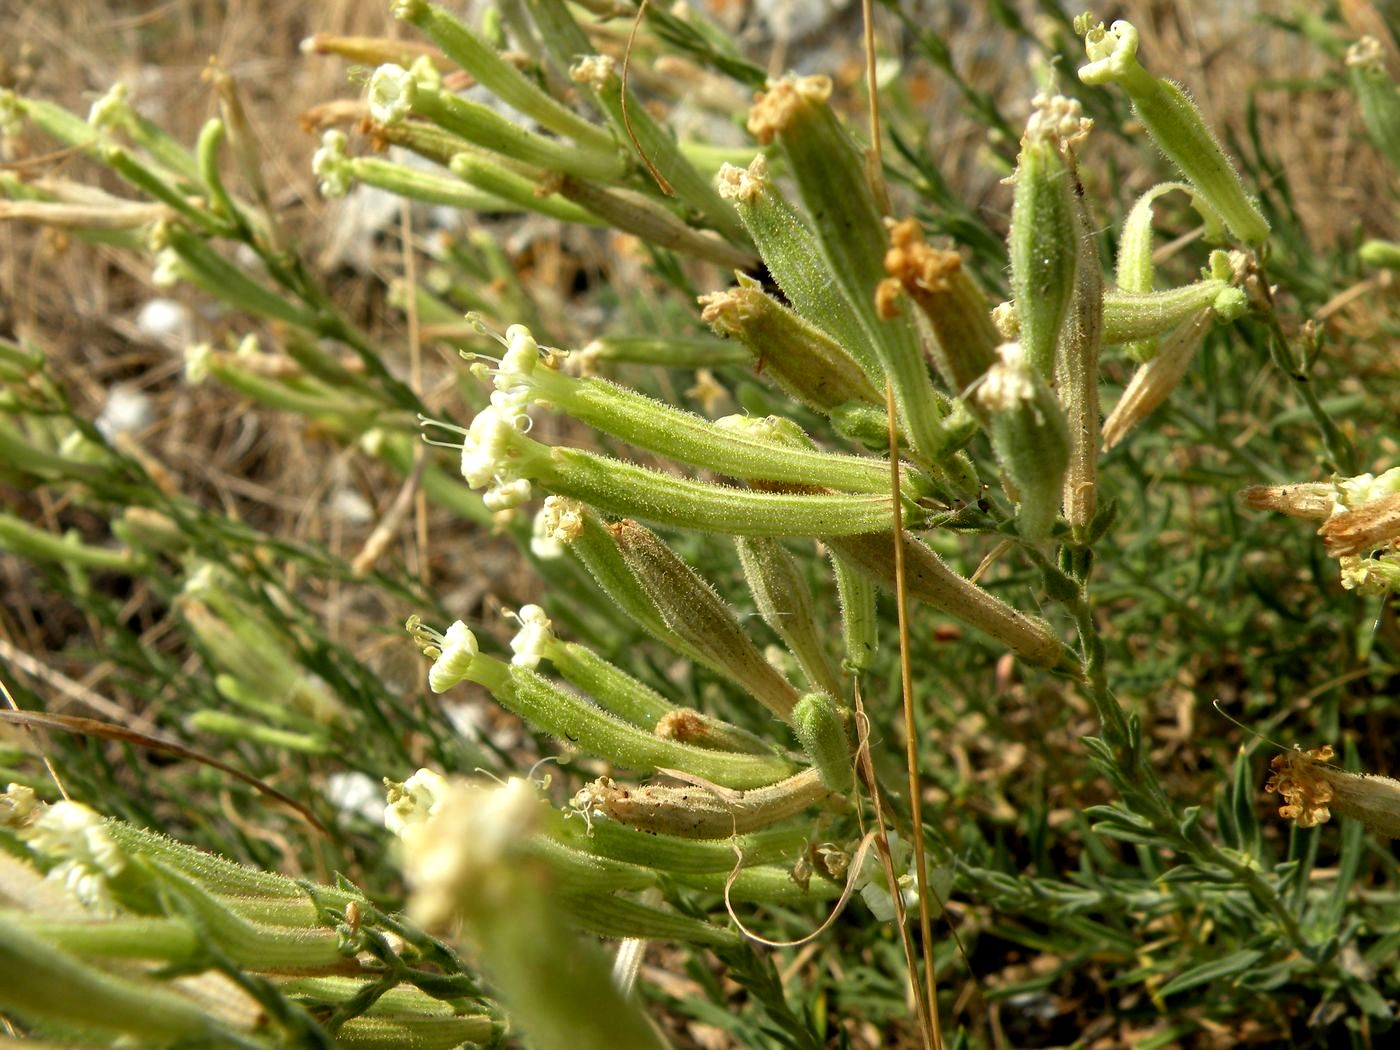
108	731
933	1035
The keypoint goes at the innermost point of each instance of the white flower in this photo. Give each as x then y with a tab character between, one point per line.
163	319
331	164
558	523
110	110
458	650
197	360
1111	51
169	270
462	856
392	90
76	837
507	495
532	640
544	543
874	890
412	803
128	409
488	448
1008	382
485	446
521	358
18	806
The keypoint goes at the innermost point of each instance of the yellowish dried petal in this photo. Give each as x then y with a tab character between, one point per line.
1313	789
1310	499
1153	382
1366	528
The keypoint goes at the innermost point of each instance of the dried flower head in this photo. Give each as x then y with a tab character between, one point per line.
1360	523
594	70
773	109
560	519
1057	119
1371	526
1008	383
1312	790
743	184
916	265
1365	52
1306	793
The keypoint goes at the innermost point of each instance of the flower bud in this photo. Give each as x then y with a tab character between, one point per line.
477	57
1174	123
1314	500
800	358
860	620
697	812
1380	254
1030	436
1077	367
831	177
597	549
789	249
1135	266
819	726
610	687
1377	96
931	581
784	601
46	986
1043	242
696	614
331	164
688	726
736	451
395	92
656	146
495	183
